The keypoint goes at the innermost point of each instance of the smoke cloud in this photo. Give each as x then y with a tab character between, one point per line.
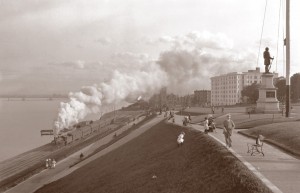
187	65
122	87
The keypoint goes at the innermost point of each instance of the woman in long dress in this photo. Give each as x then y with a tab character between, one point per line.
180	139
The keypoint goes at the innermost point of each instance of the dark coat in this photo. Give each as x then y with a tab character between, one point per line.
267	58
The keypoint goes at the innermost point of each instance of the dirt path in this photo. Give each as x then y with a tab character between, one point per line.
62	168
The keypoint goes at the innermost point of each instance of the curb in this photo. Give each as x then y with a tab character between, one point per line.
269	184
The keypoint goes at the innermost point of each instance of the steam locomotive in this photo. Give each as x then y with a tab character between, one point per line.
86	128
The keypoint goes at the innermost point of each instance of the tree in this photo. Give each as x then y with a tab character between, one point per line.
251	92
295	87
281	85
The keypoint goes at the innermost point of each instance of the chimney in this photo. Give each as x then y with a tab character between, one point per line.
257	69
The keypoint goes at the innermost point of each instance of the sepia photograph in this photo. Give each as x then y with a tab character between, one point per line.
160	96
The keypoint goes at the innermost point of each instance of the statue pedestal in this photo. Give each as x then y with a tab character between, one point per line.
267	101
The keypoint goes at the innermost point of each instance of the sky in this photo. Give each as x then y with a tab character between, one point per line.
59	46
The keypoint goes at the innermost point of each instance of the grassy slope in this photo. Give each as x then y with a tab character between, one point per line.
243	121
200	165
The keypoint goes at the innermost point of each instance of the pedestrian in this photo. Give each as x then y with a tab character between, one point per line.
259	139
222	109
47	163
81	156
205	123
180	139
267	60
190	118
53	163
211	124
227	130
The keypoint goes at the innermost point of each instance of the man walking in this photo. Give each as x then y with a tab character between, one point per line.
227	131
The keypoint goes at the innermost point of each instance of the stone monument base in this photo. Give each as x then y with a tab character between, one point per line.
267	107
267	101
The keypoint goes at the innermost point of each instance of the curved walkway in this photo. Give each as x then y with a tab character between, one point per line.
278	170
62	168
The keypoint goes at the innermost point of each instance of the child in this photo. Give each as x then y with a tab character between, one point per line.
258	140
53	163
180	139
205	123
47	163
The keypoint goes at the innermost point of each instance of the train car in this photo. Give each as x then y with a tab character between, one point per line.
86	131
68	139
94	128
81	124
77	134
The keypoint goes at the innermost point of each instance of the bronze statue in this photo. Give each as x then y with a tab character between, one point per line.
267	61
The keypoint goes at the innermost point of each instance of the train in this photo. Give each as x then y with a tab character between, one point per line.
85	128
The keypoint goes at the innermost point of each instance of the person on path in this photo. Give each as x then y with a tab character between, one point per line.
81	156
180	139
53	163
205	123
47	163
267	60
227	130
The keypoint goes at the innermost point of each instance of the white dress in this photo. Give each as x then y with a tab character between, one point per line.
206	124
180	139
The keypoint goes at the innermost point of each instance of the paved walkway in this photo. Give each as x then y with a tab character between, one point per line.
62	168
278	170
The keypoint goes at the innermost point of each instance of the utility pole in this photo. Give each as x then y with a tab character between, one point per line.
287	45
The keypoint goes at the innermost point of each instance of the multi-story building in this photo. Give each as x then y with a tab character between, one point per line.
226	89
202	97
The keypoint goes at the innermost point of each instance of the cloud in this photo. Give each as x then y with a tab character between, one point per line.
200	40
78	64
104	41
191	69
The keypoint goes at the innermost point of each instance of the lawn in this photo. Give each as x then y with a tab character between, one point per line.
277	129
153	162
285	135
244	121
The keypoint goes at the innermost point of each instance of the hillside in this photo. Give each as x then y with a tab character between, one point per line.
154	163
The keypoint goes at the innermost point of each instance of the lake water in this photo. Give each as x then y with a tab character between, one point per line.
21	122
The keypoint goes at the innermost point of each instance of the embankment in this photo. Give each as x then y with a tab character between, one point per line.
153	162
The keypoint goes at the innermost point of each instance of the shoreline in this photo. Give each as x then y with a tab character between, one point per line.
60	153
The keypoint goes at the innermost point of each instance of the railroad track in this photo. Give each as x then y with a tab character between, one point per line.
35	158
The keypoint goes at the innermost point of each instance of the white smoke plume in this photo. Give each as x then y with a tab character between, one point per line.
122	87
186	66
